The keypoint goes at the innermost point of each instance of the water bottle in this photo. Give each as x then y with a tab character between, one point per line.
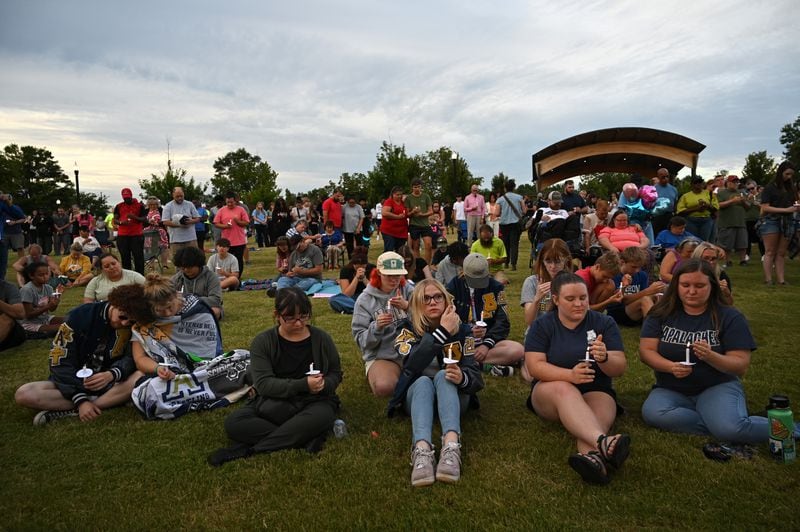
781	429
339	429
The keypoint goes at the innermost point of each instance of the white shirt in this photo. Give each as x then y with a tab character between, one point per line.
377	212
458	208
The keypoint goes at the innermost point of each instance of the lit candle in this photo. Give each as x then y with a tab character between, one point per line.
688	349
311	368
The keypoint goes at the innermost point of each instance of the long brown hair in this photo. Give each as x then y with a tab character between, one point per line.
554	248
670	303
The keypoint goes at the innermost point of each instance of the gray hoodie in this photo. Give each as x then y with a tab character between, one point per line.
375	344
205	286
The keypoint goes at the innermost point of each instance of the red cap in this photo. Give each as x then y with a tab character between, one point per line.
126	193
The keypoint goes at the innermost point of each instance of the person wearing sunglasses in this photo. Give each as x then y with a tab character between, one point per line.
295	369
91	368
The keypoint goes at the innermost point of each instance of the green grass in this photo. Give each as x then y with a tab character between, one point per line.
120	472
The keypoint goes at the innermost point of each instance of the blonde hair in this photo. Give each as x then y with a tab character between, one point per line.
705	246
416	305
158	290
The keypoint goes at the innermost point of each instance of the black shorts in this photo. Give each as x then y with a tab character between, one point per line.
416	232
584	389
619	315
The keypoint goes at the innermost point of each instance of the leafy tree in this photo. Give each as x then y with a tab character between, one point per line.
526	189
759	167
604	184
393	167
34	178
353	185
790	138
161	185
96	204
499	183
442	177
247	175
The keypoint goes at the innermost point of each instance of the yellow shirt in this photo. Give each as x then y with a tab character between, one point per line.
74	268
690	200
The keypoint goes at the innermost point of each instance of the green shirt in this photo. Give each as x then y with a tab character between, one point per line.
423	201
496	251
733	214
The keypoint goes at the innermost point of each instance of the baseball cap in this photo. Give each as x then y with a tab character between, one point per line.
476	270
554	196
126	193
441	242
732	178
391	263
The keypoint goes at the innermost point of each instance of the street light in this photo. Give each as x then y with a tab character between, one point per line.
77	186
454	158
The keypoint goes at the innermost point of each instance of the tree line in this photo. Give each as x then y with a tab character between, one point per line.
37	180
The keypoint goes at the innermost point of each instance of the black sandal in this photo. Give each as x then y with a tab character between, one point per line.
622	448
590	466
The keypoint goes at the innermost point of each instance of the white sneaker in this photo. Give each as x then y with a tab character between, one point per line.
449	468
422	467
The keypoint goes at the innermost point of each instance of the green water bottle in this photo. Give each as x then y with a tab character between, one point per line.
781	429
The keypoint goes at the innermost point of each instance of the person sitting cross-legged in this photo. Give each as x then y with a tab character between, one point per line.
34	255
193	277
91	367
305	265
39	299
599	279
638	294
480	298
224	265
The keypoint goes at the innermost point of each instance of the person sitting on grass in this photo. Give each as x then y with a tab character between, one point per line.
638	295
305	265
553	258
493	249
451	265
707	397
353	279
193	277
432	333
378	310
76	267
713	256
39	299
224	265
599	279
572	390
674	234
479	297
332	244
296	370
11	309
95	341
111	276
90	245
34	255
675	256
282	253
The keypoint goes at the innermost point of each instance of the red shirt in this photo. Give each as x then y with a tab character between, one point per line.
586	275
334	210
396	228
129	227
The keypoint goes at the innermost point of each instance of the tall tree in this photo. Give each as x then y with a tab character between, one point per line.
34	178
759	167
604	184
353	185
161	185
443	175
790	138
392	167
247	175
499	183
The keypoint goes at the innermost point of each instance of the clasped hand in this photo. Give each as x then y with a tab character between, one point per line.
315	383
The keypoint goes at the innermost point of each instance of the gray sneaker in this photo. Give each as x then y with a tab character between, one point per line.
449	468
46	416
421	467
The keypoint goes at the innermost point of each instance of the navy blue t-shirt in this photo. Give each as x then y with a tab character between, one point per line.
566	347
639	281
673	333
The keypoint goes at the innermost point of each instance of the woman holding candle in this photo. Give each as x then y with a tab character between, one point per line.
704	396
571	390
377	311
439	372
295	369
778	223
553	258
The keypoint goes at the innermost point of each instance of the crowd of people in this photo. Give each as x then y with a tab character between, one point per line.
429	317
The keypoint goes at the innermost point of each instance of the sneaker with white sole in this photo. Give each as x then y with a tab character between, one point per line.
501	371
422	467
46	416
449	468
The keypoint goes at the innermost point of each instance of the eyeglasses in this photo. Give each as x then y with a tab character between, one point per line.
435	298
302	318
554	262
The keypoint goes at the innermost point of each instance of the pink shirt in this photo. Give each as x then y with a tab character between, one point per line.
234	233
622	238
475	205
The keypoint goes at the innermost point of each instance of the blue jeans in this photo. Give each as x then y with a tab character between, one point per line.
700	227
303	283
719	411
342	303
420	400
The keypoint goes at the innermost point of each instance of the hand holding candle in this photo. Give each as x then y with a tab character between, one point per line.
311	370
687	362
449	358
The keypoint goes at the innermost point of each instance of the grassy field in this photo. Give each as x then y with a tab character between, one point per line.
122	473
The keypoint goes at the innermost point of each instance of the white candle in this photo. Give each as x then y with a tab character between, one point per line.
688	348
389	305
311	368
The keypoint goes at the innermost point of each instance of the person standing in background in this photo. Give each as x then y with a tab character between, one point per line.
233	220
201	227
511	211
129	219
475	210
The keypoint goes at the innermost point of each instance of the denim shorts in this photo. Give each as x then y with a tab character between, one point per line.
772	224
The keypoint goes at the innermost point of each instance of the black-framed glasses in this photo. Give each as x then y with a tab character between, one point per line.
302	318
435	298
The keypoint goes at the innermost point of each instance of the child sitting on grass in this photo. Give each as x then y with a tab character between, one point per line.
638	295
38	300
599	279
224	265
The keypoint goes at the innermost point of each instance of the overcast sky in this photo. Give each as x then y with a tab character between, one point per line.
315	87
